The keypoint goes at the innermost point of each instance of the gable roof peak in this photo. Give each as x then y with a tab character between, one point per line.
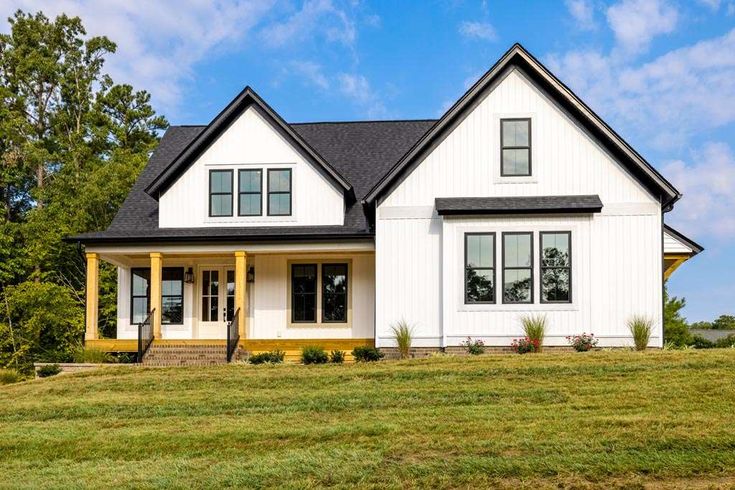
246	99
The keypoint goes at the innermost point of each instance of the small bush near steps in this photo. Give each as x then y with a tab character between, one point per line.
272	357
314	355
525	345
582	343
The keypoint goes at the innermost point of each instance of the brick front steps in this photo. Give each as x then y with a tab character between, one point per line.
187	354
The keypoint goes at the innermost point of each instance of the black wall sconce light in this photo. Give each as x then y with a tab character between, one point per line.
251	274
189	276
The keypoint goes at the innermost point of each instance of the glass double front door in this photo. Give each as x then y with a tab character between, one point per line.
216	301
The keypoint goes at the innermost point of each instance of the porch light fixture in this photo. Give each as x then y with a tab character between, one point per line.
251	274
189	276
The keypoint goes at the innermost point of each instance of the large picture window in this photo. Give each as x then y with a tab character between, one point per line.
304	292
556	267
515	147
172	295
518	267
279	192
334	293
250	192
479	262
220	193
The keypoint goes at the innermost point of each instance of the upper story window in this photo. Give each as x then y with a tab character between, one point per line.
556	267
220	193
479	262
279	192
518	267
515	147
250	192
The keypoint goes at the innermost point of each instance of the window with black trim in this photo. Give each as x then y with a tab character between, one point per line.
556	267
515	147
279	192
479	268
518	267
303	293
334	293
250	192
172	295
220	193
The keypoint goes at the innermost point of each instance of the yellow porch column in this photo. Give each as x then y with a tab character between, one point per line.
241	263
93	283
156	277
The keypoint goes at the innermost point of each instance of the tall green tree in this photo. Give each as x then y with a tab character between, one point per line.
72	142
676	330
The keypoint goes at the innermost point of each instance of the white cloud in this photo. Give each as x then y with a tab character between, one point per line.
315	16
478	30
358	88
636	22
312	72
707	185
157	42
583	13
665	101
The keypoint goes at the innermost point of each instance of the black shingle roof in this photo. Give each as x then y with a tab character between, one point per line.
518	205
361	151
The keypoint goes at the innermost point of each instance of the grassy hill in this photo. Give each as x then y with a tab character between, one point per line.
596	419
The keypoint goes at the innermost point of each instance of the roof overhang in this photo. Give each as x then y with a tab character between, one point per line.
685	241
517	56
465	206
246	99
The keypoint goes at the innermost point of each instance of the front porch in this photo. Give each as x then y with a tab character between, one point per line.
275	297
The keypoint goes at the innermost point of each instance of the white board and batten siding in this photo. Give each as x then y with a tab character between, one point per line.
250	142
617	262
673	245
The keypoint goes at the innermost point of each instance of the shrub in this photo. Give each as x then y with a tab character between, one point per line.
582	343
403	332
337	357
314	355
534	326
91	355
8	376
640	327
524	345
726	342
272	357
48	370
699	342
474	347
364	353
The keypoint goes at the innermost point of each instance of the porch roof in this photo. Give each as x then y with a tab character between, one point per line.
518	205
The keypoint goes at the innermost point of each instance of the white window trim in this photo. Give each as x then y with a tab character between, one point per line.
496	145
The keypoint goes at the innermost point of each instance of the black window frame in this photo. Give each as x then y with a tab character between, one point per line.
231	193
494	268
541	266
249	193
316	292
530	268
290	190
346	293
502	147
148	293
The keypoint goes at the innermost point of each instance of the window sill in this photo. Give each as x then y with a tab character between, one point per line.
515	180
534	307
319	325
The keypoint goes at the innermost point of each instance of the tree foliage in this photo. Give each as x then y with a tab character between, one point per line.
72	142
676	330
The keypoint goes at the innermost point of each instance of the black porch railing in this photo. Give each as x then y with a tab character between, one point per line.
145	335
233	335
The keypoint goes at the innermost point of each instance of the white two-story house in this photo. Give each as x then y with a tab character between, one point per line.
518	200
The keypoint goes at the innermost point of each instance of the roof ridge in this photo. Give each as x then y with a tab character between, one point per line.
371	121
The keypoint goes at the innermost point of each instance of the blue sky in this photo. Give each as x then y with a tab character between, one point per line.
661	73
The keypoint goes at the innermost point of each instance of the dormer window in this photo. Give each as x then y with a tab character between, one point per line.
515	147
220	193
279	192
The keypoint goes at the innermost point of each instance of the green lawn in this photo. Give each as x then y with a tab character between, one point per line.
571	420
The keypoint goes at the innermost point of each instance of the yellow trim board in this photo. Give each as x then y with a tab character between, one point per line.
252	345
